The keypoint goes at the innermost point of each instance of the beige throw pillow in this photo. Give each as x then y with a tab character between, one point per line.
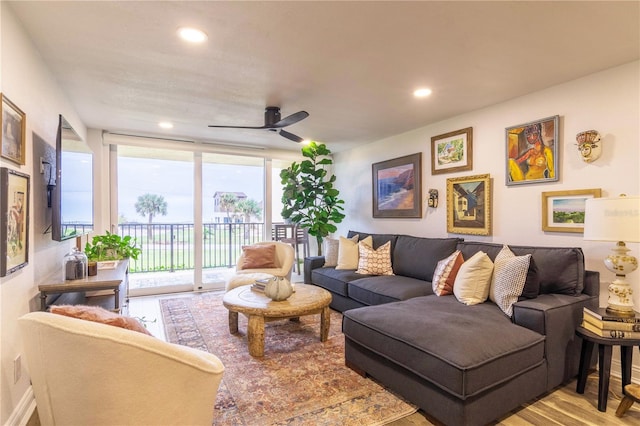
374	262
474	279
509	276
348	252
445	274
330	249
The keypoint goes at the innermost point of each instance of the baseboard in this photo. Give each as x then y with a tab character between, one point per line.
616	370
24	410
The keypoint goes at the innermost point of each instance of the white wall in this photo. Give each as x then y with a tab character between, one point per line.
608	102
26	80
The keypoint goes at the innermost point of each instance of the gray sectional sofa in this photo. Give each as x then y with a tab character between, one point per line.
462	365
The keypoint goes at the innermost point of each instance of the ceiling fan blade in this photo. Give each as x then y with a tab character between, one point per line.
292	119
239	127
291	136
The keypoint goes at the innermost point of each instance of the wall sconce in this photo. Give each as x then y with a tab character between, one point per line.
433	198
589	145
50	185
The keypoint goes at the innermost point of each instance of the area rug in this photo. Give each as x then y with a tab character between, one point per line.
299	381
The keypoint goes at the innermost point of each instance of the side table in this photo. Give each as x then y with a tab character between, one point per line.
605	347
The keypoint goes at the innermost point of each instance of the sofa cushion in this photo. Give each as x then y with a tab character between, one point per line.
417	257
561	269
375	290
464	350
532	284
474	279
374	261
378	239
334	280
445	274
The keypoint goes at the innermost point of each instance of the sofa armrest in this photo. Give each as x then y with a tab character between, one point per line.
591	283
311	263
556	316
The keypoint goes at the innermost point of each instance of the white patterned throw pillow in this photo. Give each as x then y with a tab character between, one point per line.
509	276
374	262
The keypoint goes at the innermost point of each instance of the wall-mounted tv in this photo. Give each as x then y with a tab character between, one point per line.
72	198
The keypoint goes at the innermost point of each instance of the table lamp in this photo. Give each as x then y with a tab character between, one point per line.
616	219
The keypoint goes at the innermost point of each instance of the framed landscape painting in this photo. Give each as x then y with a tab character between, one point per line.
14	221
469	205
452	152
13	132
563	211
532	152
397	187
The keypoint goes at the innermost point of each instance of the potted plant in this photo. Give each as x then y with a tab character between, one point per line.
309	198
111	247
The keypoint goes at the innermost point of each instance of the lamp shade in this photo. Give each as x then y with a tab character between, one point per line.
612	219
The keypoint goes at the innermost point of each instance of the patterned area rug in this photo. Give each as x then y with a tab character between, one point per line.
299	381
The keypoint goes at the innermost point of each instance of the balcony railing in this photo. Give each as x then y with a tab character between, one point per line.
170	246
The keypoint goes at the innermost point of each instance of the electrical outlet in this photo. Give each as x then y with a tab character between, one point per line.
17	369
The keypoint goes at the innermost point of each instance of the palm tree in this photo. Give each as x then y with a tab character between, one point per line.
249	207
228	202
151	205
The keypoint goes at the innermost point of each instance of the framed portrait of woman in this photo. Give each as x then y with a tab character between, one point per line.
532	152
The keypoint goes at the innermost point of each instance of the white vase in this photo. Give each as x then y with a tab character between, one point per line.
278	289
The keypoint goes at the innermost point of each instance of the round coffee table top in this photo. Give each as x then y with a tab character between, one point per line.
305	299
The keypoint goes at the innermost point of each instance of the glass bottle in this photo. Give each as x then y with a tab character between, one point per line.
74	265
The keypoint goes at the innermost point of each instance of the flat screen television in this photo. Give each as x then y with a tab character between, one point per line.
72	197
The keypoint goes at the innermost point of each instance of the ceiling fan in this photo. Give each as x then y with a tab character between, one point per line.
274	123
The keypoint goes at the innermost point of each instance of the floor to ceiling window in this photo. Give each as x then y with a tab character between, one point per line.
191	212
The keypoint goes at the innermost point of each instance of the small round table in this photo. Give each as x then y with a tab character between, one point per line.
306	300
605	346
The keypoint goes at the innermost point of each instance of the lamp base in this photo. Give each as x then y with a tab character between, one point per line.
620	297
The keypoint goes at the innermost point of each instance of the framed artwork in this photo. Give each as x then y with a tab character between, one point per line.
469	205
532	152
13	132
563	211
452	152
14	221
397	189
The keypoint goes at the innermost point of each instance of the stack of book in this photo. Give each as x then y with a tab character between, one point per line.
259	285
604	324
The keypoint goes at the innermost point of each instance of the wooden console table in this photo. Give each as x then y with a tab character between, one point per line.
107	279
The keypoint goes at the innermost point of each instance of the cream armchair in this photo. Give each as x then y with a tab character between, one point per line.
86	373
284	258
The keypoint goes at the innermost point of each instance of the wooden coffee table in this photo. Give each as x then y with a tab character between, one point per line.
307	300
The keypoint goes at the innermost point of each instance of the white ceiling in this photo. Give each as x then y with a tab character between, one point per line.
352	65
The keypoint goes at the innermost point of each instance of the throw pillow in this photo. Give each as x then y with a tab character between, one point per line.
101	315
532	284
474	279
509	276
262	256
445	274
330	249
374	261
348	252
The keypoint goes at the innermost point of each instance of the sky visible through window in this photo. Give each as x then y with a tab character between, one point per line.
174	181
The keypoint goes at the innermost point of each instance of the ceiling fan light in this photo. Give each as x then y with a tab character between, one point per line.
192	35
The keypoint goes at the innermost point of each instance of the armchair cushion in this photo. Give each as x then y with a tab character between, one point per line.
98	314
259	257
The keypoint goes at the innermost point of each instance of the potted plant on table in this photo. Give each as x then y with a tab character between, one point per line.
309	198
110	247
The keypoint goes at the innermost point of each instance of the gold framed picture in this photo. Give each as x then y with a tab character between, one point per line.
14	221
563	211
469	205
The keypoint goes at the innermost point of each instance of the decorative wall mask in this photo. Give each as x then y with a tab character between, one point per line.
589	145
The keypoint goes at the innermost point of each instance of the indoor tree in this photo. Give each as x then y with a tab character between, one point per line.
309	198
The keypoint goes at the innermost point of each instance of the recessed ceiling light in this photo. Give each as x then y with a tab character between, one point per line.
421	93
192	35
165	125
